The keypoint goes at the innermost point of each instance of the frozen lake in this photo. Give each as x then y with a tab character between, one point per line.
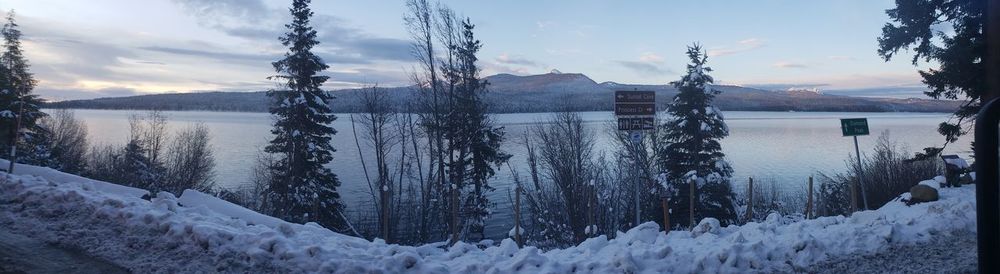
786	147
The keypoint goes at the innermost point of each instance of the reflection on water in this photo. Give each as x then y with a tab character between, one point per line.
787	147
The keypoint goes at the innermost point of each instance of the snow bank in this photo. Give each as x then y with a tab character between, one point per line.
161	235
194	198
61	177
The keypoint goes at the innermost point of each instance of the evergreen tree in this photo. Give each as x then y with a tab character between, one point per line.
136	169
691	152
19	107
302	189
960	54
35	148
473	131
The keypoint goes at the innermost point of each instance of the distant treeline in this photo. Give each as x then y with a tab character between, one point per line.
507	101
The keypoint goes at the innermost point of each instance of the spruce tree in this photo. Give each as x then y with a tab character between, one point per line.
959	54
302	188
136	169
691	152
19	107
476	135
35	148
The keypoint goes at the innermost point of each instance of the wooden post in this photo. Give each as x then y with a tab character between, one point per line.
517	215
386	205
591	203
809	200
17	132
691	198
666	213
854	197
750	201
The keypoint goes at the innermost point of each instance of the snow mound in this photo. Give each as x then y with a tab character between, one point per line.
957	162
56	176
197	233
194	198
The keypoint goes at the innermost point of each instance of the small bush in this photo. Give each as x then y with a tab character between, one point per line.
769	196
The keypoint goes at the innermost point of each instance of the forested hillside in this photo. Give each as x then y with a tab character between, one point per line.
535	93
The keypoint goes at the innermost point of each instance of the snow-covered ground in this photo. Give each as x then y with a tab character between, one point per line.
198	233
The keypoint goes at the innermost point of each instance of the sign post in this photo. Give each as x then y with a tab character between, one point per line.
857	127
636	112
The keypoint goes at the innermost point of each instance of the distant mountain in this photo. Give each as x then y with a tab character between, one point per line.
553	91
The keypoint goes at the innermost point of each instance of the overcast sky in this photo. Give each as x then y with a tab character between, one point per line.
99	48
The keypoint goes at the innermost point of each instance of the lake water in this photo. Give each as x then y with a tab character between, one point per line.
786	147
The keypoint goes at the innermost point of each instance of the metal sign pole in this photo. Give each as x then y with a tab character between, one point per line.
861	175
854	127
636	111
638	182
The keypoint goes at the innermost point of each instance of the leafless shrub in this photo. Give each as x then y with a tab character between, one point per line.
770	196
150	130
189	161
101	163
69	140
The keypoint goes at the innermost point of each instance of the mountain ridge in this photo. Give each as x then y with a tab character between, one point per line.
556	91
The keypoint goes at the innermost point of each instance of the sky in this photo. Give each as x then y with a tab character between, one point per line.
104	48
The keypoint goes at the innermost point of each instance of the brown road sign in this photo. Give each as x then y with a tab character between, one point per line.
641	123
634	96
635	109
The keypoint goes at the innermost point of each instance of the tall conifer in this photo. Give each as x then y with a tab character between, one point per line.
691	152
302	188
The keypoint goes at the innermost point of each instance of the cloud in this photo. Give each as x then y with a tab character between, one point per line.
648	64
491	68
62	60
650	57
741	46
566	52
543	25
515	60
838	82
783	64
73	62
787	86
841	58
370	76
59	94
222	56
644	68
253	20
231	16
888	91
259	59
751	42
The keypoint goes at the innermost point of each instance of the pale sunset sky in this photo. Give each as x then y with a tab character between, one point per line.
101	48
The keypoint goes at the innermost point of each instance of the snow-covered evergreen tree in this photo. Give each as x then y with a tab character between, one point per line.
302	189
35	148
19	107
691	150
136	169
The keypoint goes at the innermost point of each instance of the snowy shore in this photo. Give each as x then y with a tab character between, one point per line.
198	233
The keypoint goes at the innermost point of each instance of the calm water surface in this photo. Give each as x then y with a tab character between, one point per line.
786	147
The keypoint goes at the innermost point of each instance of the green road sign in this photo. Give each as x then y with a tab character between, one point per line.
854	127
